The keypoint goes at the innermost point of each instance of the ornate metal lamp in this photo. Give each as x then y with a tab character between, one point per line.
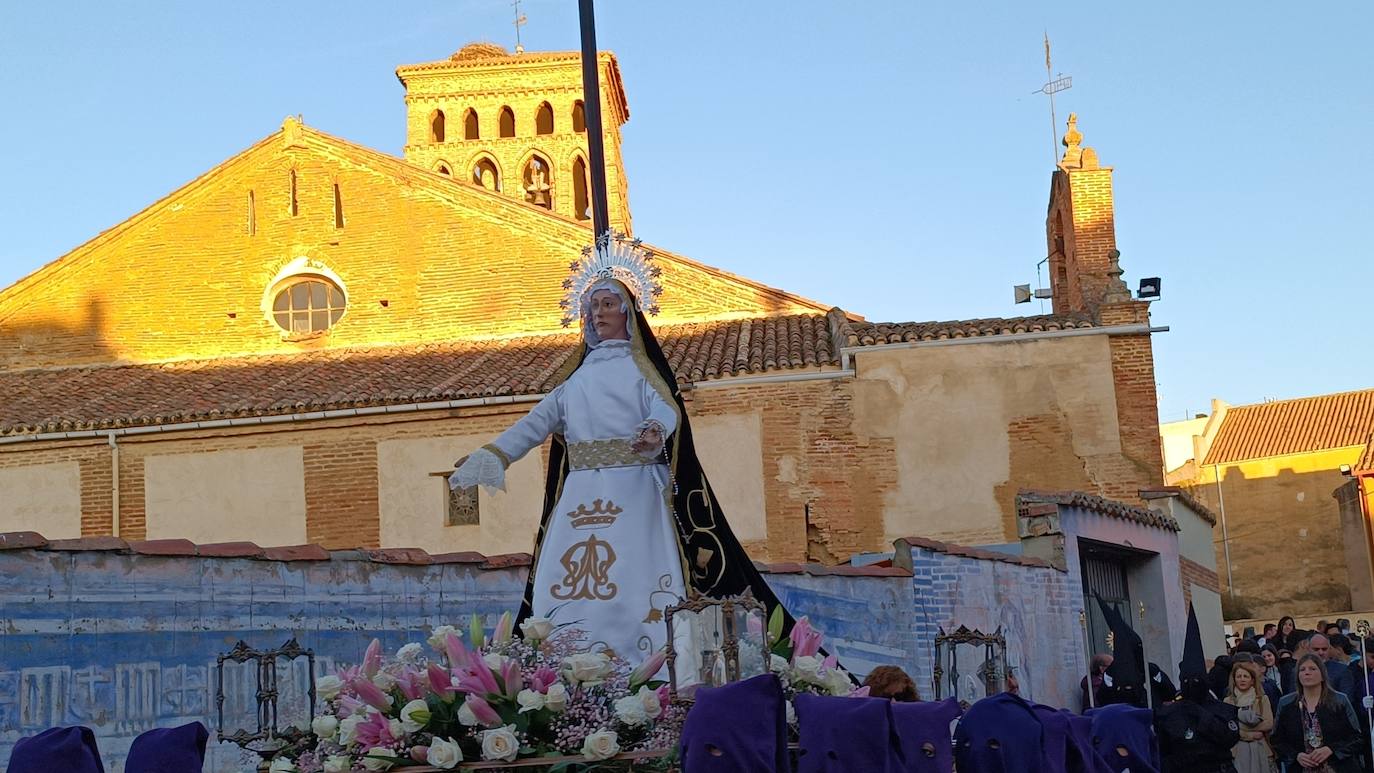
990	673
267	738
716	628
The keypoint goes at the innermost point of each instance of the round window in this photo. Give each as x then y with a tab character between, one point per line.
309	305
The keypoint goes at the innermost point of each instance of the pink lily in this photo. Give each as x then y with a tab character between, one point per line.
478	680
349	705
375	731
440	681
512	678
412	684
347	675
458	654
372	694
663	695
830	661
647	669
859	692
542	678
504	627
805	639
483	711
372	659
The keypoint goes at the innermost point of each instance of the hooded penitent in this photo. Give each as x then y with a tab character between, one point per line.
1124	736
65	749
1197	731
1000	734
737	728
1124	681
1068	741
168	750
923	729
839	735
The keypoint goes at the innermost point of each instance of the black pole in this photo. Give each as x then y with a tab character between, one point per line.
591	110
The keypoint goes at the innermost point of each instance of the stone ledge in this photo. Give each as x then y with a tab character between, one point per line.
164	547
821	570
962	551
89	543
21	540
231	550
311	552
507	560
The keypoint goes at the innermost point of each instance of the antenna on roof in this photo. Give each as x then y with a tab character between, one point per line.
1053	85
519	22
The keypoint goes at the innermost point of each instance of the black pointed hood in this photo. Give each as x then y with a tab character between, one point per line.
1127	671
1194	664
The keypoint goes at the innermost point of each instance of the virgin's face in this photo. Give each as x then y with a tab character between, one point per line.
1309	675
607	318
1243	680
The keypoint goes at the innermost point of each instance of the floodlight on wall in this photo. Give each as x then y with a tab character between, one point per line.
1149	288
1023	293
1345	470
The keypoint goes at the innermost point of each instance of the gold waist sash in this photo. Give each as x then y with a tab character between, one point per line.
599	454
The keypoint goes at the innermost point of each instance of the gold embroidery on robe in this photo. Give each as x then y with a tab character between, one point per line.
588	566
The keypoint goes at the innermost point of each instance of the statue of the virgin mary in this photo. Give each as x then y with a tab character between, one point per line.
630	523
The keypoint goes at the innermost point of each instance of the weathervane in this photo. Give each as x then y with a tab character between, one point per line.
519	22
1053	85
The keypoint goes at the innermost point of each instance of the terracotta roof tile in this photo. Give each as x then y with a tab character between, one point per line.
103	397
1108	507
871	333
1293	427
1365	466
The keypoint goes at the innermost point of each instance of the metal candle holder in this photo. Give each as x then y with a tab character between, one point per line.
729	634
269	738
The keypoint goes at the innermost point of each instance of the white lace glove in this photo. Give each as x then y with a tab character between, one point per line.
481	467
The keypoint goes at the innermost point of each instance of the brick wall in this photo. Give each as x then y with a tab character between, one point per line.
1192	573
1036	608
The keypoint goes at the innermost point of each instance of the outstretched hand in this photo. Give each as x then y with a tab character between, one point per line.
649	440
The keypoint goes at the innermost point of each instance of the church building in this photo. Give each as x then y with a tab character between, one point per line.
295	346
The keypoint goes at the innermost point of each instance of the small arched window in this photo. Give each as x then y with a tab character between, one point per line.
543	120
579	117
471	129
436	126
311	304
507	122
581	199
485	174
443	168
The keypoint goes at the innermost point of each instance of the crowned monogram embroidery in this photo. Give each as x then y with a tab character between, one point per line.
588	566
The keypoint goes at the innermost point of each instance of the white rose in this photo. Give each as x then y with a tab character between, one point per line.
438	638
384	681
395	728
837	682
378	751
410	653
556	699
588	667
493	661
324	726
630	711
466	717
649	700
338	764
282	765
777	664
328	687
348	729
444	753
601	745
807	668
414	716
530	700
500	744
536	628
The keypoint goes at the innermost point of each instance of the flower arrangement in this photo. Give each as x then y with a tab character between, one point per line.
799	665
492	698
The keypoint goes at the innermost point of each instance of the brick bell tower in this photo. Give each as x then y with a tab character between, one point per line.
514	124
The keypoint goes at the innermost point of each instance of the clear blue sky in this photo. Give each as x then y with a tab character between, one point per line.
885	157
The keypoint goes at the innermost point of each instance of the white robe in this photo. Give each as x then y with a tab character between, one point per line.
609	562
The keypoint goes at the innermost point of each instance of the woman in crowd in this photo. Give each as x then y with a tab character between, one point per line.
1256	717
1269	659
1288	634
1316	729
891	682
